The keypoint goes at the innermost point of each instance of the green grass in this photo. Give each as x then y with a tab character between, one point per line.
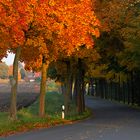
52	86
28	117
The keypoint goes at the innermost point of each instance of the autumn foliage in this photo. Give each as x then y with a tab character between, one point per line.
85	38
39	32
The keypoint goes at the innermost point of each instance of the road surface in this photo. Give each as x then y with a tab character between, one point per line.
110	121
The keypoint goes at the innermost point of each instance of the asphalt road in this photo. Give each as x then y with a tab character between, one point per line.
110	121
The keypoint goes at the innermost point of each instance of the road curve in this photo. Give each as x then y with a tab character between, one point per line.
110	121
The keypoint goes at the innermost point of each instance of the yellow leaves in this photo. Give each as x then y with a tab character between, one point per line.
96	71
29	42
52	2
36	42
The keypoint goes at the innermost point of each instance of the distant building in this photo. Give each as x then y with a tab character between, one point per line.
37	74
32	76
29	76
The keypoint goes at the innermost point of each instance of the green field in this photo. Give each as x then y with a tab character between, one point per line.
28	117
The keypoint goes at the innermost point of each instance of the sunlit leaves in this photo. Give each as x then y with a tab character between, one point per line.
15	17
73	22
49	27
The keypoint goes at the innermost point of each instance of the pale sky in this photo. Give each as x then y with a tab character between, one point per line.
9	60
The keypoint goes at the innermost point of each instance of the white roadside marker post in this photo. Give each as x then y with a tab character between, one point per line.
63	111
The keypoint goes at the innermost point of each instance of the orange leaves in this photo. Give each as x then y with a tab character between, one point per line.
52	2
54	26
77	21
16	16
72	20
96	32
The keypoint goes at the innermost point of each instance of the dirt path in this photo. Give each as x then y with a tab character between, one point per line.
27	94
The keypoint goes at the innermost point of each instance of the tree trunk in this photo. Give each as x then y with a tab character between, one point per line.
43	88
106	93
75	90
79	97
14	83
137	87
79	88
71	86
128	90
102	88
111	84
63	88
68	89
83	94
123	92
97	88
132	88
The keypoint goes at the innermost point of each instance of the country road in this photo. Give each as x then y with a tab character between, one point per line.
110	121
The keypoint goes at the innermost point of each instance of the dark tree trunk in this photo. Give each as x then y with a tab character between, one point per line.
63	88
128	90
71	85
97	88
67	95
75	90
123	92
102	88
132	88
137	87
80	95
83	90
14	83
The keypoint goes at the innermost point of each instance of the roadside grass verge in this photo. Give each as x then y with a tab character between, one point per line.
28	117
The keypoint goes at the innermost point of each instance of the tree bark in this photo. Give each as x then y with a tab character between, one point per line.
97	88
79	97
75	90
14	83
83	94
132	88
128	90
137	89
71	86
80	101
68	89
63	88
43	87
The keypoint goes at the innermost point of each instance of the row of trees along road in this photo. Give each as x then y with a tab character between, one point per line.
65	35
39	32
117	72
